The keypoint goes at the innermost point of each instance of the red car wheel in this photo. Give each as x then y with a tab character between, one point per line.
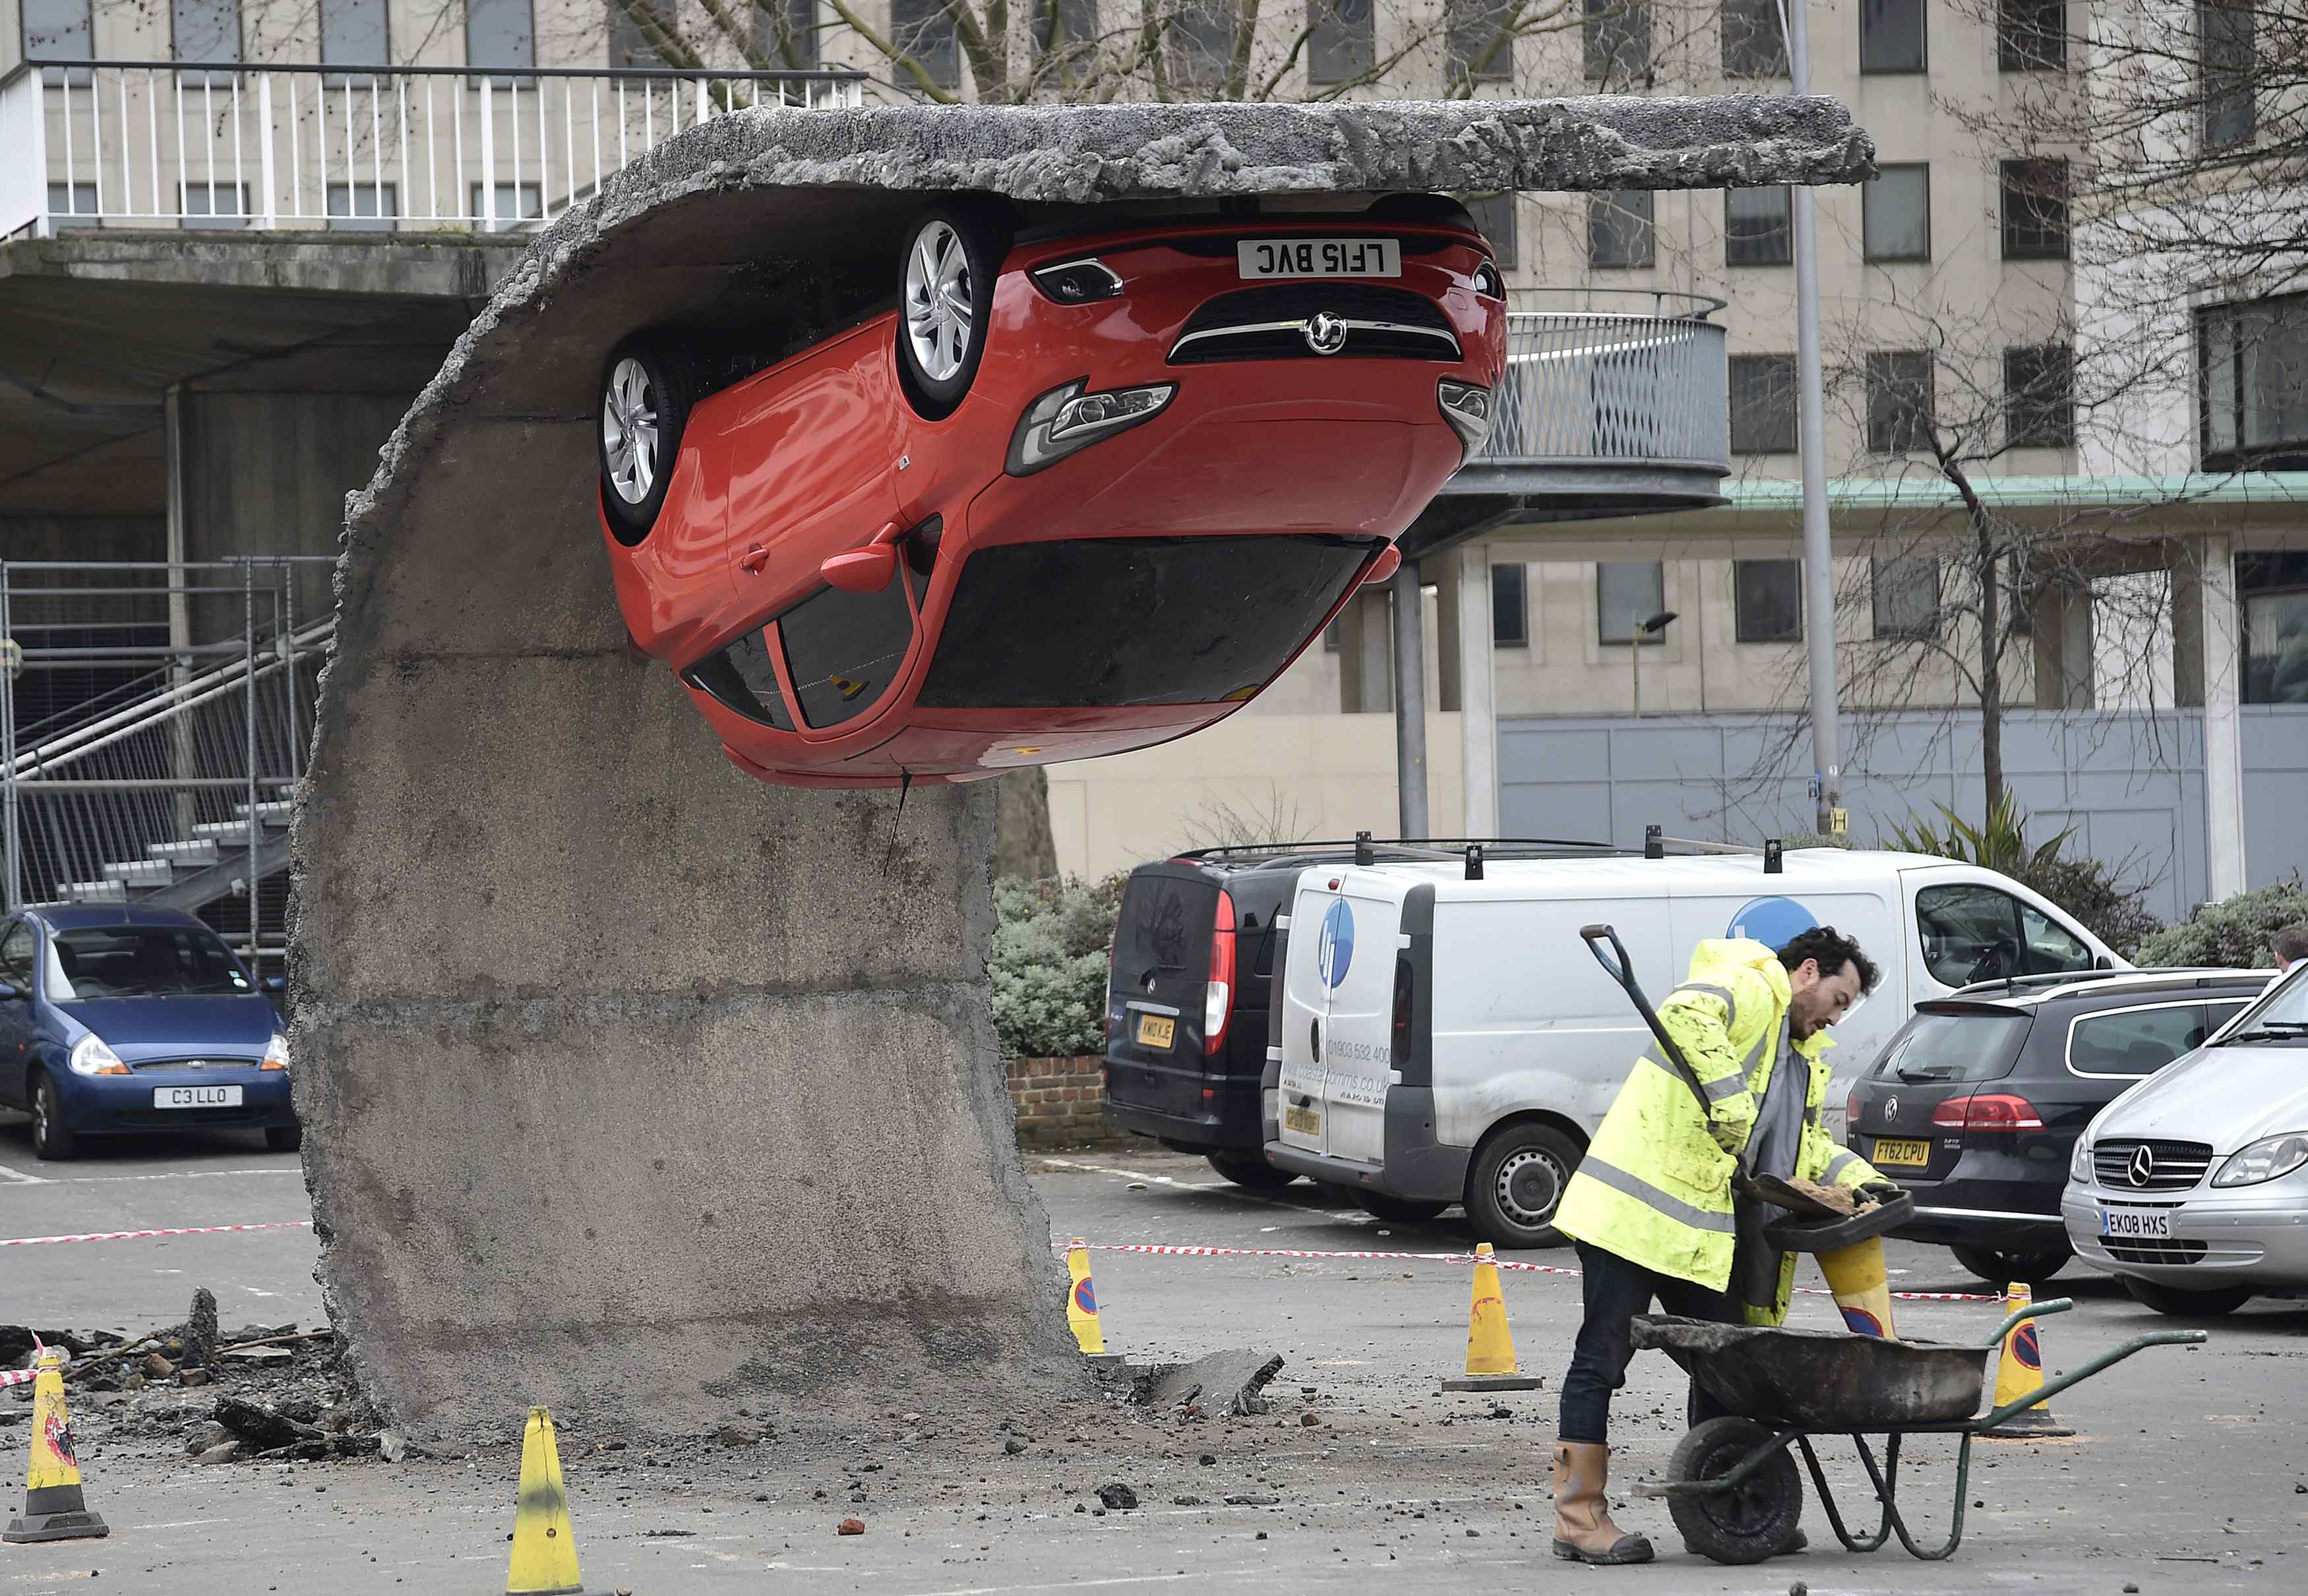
645	398
945	298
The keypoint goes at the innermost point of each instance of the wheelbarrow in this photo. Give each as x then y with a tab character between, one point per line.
1732	1486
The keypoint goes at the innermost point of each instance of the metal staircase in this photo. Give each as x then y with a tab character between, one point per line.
157	774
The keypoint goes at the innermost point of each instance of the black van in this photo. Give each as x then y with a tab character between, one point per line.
1186	994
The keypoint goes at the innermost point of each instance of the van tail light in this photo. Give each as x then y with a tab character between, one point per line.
1405	994
1987	1111
1218	996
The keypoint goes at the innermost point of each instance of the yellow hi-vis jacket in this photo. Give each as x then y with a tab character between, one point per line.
1655	1187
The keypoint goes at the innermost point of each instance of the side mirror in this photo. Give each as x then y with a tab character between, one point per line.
2103	963
276	984
869	570
1384	568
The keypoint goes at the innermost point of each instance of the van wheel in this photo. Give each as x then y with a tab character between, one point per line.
1249	1172
1517	1183
2188	1305
1999	1269
1397	1210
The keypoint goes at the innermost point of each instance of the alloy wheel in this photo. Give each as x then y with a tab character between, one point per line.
629	413
938	314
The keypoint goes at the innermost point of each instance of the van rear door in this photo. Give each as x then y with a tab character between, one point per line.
1337	1010
1154	998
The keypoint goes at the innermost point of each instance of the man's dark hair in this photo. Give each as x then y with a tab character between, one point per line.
2292	942
1833	950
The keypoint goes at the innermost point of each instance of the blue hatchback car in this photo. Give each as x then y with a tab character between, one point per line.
119	1020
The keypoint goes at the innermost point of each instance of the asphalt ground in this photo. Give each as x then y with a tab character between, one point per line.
2190	1473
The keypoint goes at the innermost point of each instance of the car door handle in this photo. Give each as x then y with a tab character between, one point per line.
754	558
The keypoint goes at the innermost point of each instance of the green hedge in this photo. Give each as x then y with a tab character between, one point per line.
2237	934
1049	964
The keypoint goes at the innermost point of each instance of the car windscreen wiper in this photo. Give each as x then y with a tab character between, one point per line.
2271	1030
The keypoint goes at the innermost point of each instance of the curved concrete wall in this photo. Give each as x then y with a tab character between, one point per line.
632	1087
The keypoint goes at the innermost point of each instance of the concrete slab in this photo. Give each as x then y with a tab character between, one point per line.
1229	1382
633	1087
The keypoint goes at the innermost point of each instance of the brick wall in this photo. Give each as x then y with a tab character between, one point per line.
1057	1100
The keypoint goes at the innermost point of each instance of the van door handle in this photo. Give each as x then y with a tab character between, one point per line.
754	558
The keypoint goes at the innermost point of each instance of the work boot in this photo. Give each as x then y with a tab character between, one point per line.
1583	1529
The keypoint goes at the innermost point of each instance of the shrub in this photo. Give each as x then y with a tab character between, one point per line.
2092	890
1048	964
2236	934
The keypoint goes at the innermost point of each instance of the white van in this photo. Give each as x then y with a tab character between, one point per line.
1442	1036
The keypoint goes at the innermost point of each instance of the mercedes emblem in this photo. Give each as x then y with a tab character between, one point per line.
1326	334
2142	1169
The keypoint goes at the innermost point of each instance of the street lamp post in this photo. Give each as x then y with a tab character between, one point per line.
1645	626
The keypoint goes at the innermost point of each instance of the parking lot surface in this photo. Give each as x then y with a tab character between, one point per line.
2190	1472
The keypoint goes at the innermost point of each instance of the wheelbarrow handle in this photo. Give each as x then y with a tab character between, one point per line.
2033	1310
2051	1389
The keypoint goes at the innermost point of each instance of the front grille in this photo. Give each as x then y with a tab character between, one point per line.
2170	1166
196	1064
1270	324
2155	1252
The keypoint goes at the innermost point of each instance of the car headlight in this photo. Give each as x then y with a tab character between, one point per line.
276	1052
2264	1160
2079	1164
92	1055
1467	409
1067	419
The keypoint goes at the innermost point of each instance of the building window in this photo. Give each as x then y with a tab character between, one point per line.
1481	42
1199	45
2273	590
1628	593
1619	228
1754	46
1891	36
2255	384
785	31
500	33
354	33
1617	35
70	200
638	32
1762	404
1899	402
1067	30
923	32
1907	599
215	204
205	29
1510	605
2036	209
1768	594
1895	214
1758	226
2031	35
2039	397
2225	38
1494	218
1343	42
61	31
363	207
512	202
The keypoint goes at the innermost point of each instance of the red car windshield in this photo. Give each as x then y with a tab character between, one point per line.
1101	621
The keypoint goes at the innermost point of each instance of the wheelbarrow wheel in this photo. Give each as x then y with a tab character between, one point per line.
1753	1520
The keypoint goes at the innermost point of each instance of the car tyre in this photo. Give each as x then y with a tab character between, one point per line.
1999	1269
2188	1305
52	1139
284	1138
647	387
1250	1171
1516	1183
1399	1210
946	271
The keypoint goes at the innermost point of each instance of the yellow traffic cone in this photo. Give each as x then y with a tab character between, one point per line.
544	1546
1861	1290
2022	1371
54	1509
1490	1347
1081	1301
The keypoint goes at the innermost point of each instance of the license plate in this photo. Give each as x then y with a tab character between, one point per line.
1305	1121
1892	1150
195	1097
2136	1224
1317	257
1157	1030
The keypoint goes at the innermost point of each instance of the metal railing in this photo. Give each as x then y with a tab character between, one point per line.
1615	386
153	731
165	143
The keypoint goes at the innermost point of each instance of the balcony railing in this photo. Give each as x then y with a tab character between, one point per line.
166	144
1621	388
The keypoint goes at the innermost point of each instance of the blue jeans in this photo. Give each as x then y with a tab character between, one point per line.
1614	1291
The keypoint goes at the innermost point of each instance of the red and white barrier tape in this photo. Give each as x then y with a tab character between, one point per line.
1450	1257
189	1230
